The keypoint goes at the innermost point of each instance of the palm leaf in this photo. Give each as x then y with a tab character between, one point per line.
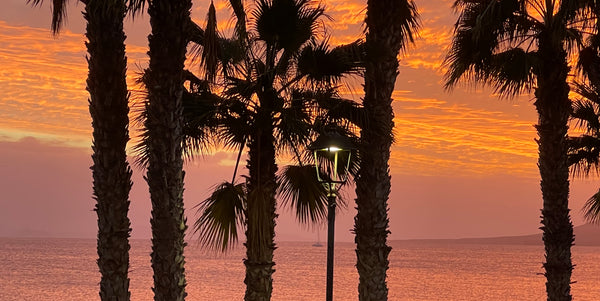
220	216
586	113
591	209
584	154
286	24
320	64
511	72
486	34
302	193
210	48
240	14
293	125
59	13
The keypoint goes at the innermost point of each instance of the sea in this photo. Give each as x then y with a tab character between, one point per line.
39	269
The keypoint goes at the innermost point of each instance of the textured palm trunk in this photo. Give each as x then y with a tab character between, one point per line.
111	172
164	83
373	182
554	107
260	230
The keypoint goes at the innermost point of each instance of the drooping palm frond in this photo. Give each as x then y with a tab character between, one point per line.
586	110
331	109
323	65
589	64
487	42
210	47
59	13
195	34
584	154
302	193
220	216
136	7
293	126
235	124
591	209
584	150
511	72
240	14
201	121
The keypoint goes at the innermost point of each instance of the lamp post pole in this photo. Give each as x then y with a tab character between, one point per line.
329	146
330	239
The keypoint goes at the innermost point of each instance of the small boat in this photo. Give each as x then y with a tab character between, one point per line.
318	243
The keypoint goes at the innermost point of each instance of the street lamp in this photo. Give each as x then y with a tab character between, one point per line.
332	153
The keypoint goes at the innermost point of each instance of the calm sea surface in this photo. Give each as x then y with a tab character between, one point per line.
65	269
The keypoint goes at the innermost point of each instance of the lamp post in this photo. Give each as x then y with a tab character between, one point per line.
332	151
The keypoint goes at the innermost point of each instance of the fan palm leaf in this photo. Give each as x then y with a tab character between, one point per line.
591	209
221	214
302	192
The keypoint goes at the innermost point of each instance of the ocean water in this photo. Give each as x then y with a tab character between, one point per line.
65	269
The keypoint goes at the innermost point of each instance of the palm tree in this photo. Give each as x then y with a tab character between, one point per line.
390	25
163	140
518	46
269	76
584	150
108	105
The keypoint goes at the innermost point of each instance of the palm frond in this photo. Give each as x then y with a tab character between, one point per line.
344	112
221	215
589	64
210	48
234	131
293	127
195	34
201	121
240	14
59	13
136	7
302	193
591	209
512	72
320	64
584	154
286	24
586	113
486	32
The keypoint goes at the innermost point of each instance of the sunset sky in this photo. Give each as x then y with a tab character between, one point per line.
463	165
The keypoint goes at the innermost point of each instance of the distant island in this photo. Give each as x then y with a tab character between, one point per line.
585	235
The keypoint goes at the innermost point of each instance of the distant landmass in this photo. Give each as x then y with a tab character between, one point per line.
585	235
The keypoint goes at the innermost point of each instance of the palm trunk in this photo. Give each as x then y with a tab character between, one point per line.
383	41
554	107
164	82
260	230
111	172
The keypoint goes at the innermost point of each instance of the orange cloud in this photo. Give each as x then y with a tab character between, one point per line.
435	137
43	83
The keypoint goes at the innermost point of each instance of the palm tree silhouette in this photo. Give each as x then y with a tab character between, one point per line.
518	46
273	80
390	26
161	145
109	110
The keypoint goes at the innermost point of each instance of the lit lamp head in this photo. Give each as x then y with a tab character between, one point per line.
329	149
